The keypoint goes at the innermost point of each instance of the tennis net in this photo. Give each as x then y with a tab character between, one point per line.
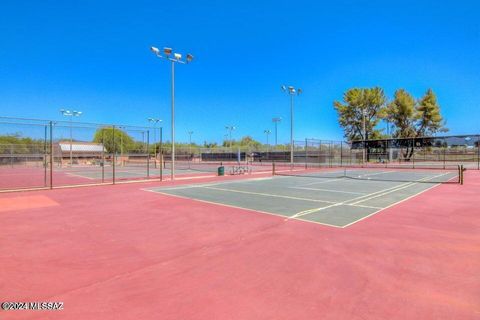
451	175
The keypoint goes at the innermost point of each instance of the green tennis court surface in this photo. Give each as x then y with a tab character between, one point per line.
337	202
139	171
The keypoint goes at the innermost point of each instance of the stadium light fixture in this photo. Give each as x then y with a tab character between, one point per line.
71	114
155	121
292	91
276	121
177	58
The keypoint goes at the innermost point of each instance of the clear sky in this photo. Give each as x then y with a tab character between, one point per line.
94	56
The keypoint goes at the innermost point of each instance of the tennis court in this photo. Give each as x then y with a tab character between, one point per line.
333	197
132	171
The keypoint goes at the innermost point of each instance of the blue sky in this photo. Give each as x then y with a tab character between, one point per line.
94	56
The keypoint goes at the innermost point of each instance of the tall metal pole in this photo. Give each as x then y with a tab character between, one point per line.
291	130
71	141
276	121
154	145
275	133
148	153
190	143
173	122
51	155
114	154
160	151
44	158
364	136
267	132
71	114
155	121
176	58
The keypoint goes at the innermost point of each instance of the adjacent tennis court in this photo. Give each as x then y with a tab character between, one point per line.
332	197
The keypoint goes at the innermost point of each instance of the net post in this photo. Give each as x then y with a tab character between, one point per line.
461	170
273	168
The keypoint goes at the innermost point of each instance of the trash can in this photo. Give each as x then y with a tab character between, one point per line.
221	170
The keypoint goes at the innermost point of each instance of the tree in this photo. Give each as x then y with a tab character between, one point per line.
413	118
210	144
401	113
118	142
428	114
359	105
16	144
246	141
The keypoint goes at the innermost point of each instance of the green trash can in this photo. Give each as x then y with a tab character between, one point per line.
221	170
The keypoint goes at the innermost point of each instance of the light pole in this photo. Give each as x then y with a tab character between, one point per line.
267	132
276	121
364	126
177	58
230	129
190	144
71	114
155	122
292	92
121	140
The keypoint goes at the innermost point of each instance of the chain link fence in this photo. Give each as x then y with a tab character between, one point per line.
48	154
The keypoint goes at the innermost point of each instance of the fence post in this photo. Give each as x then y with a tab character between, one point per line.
161	154
114	158
103	155
478	152
306	146
444	145
51	155
11	155
413	153
45	158
148	154
330	153
341	153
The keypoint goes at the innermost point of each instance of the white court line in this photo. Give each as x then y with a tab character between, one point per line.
321	181
338	178
362	206
391	205
268	195
80	176
413	183
371	196
372	174
285	197
211	183
302	213
235	207
327	190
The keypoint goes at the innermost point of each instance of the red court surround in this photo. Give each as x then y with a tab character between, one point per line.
118	252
